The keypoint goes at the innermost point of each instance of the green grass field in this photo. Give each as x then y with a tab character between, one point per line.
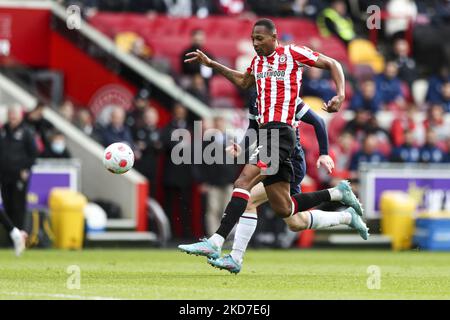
169	274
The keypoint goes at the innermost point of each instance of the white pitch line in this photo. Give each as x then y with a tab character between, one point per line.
57	295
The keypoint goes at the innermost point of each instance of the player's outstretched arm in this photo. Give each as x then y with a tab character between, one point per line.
240	79
337	74
320	129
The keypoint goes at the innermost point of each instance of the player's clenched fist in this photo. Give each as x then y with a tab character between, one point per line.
198	56
333	105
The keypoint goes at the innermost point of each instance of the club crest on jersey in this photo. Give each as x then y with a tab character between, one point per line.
282	59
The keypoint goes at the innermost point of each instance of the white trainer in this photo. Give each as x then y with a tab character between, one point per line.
19	239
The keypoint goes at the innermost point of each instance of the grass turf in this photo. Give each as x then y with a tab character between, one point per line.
267	274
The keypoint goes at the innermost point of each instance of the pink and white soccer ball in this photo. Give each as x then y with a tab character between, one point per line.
118	158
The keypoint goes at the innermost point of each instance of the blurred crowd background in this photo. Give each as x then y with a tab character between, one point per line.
397	92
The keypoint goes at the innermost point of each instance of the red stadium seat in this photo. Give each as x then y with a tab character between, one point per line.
299	28
335	126
223	88
169	36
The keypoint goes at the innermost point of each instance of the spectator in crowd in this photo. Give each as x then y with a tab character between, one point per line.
406	65
116	130
342	152
357	127
135	117
17	154
315	84
368	153
191	69
306	8
447	155
446	96
216	179
388	85
146	6
334	21
435	83
246	54
148	141
367	98
41	126
232	7
142	50
406	121
382	135
400	12
133	43
436	121
430	152
188	8
85	122
407	152
177	178
57	147
267	7
67	110
199	89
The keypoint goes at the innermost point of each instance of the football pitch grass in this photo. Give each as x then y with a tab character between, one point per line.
266	274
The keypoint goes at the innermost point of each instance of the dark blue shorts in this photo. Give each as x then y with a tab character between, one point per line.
299	168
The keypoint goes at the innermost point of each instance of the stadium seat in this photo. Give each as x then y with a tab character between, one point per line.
125	40
362	51
225	92
334	48
406	92
315	103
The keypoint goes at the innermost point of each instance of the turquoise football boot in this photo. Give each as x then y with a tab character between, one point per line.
226	263
358	224
349	198
202	248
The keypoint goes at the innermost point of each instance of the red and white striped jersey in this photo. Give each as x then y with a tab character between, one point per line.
278	79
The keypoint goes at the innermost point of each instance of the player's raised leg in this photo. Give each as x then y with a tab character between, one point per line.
211	247
244	231
318	219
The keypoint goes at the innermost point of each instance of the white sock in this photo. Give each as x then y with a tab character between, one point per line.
319	219
217	240
15	234
335	194
244	232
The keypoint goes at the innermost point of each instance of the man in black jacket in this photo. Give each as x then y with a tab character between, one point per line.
17	155
177	178
148	142
216	178
191	69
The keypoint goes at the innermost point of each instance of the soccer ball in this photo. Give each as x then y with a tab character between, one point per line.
118	158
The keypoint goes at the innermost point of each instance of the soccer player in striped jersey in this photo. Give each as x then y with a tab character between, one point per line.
277	71
248	221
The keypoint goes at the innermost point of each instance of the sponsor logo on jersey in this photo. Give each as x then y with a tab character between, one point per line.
279	74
